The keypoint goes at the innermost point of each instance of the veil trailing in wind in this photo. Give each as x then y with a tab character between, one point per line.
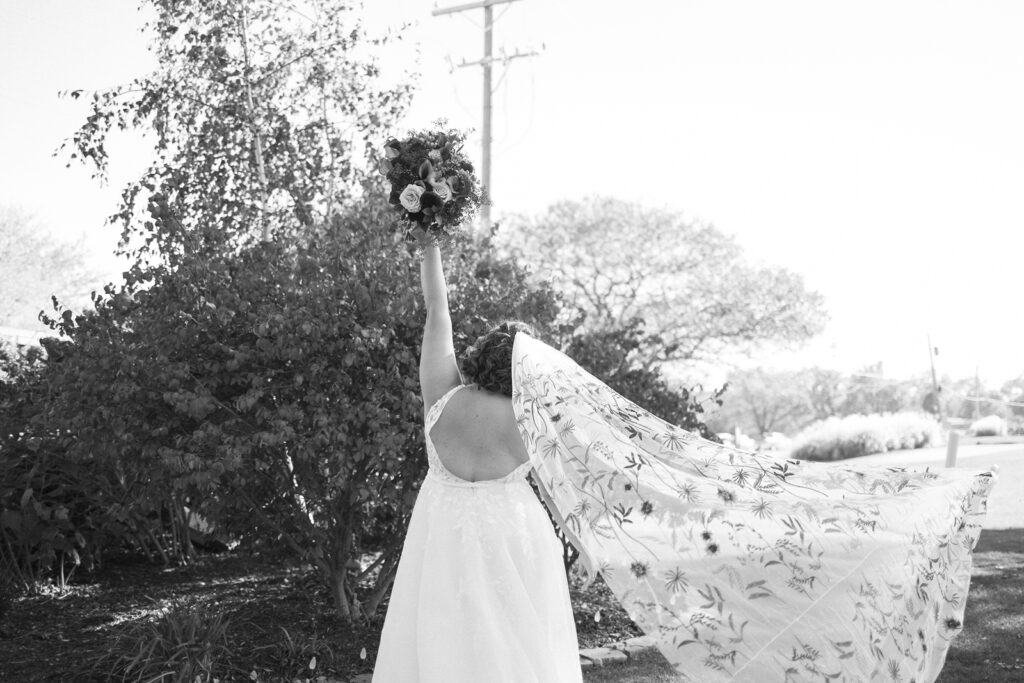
745	567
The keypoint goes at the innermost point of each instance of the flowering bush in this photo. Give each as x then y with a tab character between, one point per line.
433	183
991	425
856	435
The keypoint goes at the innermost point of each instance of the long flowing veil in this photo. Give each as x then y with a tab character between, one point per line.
746	567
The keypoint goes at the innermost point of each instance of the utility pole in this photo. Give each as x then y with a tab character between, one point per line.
486	62
932	352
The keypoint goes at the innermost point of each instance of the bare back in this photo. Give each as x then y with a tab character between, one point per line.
476	436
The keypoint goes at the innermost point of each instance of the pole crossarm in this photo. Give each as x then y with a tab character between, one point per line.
486	62
503	58
472	5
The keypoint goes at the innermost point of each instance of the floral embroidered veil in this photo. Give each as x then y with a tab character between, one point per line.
747	567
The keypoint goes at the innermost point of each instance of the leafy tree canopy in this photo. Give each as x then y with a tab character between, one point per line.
620	262
262	115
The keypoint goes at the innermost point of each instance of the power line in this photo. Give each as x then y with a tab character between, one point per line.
486	62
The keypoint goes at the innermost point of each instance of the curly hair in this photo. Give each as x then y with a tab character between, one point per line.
488	362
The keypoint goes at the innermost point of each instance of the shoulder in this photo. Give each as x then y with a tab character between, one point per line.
435	394
473	403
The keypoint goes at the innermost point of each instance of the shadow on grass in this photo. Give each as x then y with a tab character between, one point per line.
991	646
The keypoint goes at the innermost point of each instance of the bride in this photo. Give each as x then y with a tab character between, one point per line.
742	567
480	594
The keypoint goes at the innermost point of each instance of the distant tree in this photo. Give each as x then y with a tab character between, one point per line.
620	261
1013	392
827	388
868	393
968	398
34	266
760	401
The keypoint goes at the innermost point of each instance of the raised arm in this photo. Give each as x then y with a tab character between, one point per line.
439	370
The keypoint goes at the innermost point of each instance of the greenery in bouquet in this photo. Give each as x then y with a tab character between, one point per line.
433	183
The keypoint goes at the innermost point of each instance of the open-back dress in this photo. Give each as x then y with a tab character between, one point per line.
480	594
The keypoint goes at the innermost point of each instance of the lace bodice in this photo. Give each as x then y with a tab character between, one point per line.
437	468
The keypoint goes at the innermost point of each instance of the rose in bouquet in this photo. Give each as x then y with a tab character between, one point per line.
433	184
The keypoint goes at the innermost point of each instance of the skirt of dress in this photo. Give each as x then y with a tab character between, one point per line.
480	594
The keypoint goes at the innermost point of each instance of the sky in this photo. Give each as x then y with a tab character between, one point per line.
875	148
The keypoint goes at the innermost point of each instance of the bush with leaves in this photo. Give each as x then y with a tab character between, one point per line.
856	435
275	391
52	510
615	357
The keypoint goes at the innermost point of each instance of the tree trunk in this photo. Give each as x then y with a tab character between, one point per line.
261	173
185	551
163	554
384	581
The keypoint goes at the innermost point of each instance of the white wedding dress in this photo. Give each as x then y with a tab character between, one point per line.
480	595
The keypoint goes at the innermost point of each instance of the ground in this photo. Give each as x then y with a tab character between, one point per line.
55	637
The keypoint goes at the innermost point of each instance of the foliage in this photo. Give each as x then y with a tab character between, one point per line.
867	392
35	266
48	504
969	399
688	281
760	401
268	385
296	656
274	391
857	435
262	116
990	425
612	356
184	645
214	377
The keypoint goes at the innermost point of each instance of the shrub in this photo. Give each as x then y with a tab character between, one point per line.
297	656
184	645
990	425
856	435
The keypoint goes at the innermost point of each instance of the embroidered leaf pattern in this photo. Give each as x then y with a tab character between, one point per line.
746	567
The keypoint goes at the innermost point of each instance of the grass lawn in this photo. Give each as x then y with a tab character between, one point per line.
990	649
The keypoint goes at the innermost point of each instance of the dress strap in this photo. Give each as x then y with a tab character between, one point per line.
439	404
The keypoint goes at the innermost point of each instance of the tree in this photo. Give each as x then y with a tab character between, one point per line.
826	392
263	117
621	262
761	401
1013	392
609	355
867	393
275	390
33	267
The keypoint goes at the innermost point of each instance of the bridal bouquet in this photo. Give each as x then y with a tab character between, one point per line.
433	184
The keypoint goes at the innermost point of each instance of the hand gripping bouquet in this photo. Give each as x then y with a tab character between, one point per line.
433	184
